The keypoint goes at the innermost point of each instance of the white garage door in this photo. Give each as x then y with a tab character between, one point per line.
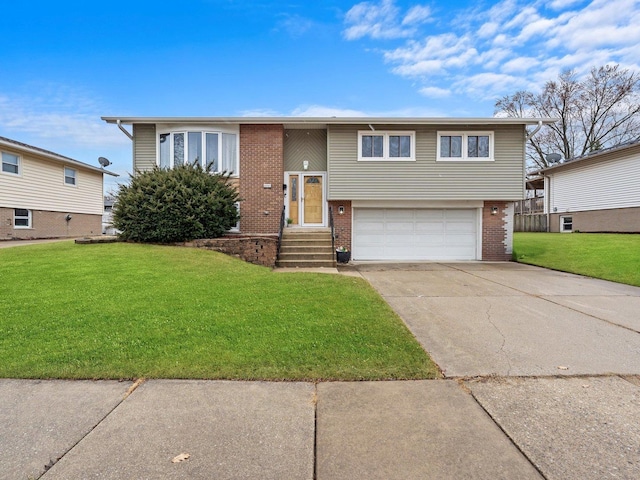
414	234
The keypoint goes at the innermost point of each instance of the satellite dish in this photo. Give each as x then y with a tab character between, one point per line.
553	158
104	162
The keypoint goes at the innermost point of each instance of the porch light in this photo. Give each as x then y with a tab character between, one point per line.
494	210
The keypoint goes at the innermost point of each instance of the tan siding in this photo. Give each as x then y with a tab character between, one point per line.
301	145
144	146
41	187
426	179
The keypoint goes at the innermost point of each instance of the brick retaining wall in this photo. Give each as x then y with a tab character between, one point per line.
256	249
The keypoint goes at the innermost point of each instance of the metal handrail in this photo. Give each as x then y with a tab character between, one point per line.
333	235
282	220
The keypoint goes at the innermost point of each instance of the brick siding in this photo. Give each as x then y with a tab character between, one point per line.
494	235
50	225
342	223
261	163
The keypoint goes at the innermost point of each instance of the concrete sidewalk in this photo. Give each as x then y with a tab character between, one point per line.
239	430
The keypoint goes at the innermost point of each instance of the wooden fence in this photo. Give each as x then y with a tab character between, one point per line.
530	223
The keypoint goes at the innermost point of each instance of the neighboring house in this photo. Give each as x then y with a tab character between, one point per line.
398	188
599	192
46	195
107	216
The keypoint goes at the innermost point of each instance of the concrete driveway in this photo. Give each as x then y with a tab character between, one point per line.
553	358
509	319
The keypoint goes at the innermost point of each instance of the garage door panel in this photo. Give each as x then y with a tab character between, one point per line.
414	234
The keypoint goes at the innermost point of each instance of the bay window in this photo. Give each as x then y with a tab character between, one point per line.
215	150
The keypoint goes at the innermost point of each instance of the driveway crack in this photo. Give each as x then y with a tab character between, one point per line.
504	339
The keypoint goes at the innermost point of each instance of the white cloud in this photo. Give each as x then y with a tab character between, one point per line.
488	86
294	25
383	20
416	15
435	92
514	44
62	118
520	65
324	111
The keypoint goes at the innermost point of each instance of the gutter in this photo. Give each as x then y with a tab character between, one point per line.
119	123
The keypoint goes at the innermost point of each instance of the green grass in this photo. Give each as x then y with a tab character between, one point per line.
614	257
130	311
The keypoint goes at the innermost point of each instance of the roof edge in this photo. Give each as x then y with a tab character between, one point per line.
590	156
337	120
51	155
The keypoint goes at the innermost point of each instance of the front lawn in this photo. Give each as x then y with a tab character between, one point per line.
129	311
614	257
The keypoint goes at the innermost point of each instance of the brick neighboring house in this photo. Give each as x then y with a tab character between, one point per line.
400	189
46	195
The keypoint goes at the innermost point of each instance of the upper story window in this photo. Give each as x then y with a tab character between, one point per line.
216	149
393	146
21	218
465	146
10	163
69	176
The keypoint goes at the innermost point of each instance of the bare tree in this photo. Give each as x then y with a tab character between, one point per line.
599	111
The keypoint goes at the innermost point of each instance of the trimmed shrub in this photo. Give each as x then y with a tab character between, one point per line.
177	205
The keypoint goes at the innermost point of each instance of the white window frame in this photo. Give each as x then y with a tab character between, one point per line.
465	146
74	183
236	227
562	217
203	131
3	162
29	218
385	145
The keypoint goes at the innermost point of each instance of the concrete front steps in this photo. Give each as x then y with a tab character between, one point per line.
308	248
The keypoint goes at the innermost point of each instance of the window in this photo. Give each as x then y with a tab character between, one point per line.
69	176
10	163
465	146
566	224
393	146
21	218
236	227
209	149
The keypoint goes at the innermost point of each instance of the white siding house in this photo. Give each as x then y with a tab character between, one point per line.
596	193
45	195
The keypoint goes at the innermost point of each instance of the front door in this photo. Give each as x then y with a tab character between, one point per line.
312	199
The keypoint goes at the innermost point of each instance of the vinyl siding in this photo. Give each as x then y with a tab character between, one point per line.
611	182
144	146
41	187
426	179
301	145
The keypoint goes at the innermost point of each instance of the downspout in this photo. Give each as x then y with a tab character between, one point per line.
127	133
529	136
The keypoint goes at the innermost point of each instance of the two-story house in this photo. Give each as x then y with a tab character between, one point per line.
46	195
399	189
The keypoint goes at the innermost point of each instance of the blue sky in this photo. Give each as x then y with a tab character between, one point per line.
67	63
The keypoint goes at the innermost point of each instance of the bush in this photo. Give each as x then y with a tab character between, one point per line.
165	206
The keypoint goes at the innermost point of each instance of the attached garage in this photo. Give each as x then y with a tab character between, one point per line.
415	234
